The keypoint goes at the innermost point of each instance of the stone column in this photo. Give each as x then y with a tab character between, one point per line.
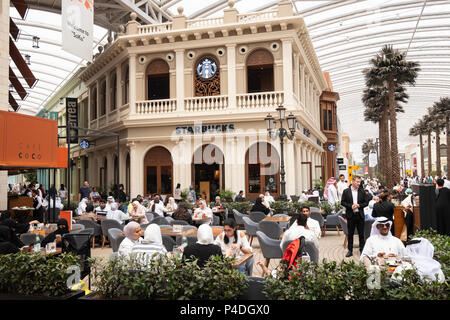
297	78
132	79
179	64
108	95
231	73
290	168
97	84
287	73
135	164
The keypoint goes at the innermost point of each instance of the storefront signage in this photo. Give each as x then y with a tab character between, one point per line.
72	118
202	129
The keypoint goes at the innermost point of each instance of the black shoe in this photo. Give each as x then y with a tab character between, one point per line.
349	254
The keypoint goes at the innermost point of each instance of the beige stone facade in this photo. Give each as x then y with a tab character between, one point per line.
124	106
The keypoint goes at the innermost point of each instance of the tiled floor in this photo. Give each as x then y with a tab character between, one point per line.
331	248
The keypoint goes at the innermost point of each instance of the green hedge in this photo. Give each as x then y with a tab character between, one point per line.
349	280
169	278
35	274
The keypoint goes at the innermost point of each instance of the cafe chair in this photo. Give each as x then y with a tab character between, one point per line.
170	219
314	209
79	244
367	228
168	242
106	225
332	221
250	228
115	239
216	220
29	238
270	248
314	199
343	224
309	248
95	226
78	226
182	222
283	225
318	217
271	229
294	198
155	215
149	216
238	217
257	216
161	221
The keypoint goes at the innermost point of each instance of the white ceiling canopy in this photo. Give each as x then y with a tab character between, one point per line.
345	34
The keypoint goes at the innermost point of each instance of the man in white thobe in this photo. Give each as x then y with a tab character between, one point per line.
341	186
381	242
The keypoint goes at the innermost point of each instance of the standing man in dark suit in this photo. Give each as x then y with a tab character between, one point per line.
354	200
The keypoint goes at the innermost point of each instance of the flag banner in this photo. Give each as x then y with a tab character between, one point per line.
77	27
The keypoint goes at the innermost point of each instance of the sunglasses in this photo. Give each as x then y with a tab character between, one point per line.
383	225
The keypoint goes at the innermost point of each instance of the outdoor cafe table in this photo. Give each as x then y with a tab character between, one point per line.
241	260
278	219
46	231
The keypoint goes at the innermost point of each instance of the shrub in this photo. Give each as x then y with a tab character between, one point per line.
35	274
280	207
170	278
242	207
225	195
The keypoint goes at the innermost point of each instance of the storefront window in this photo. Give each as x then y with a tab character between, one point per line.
254	178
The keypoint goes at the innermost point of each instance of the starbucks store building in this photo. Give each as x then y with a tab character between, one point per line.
189	100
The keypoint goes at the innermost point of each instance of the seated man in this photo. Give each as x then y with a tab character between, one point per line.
312	224
368	210
117	214
239	197
381	242
102	207
298	229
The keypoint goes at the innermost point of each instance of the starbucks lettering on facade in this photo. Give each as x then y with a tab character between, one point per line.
197	129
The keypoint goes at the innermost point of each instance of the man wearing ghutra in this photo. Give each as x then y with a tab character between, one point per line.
381	242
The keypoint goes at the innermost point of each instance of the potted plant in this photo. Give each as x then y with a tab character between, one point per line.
36	276
225	195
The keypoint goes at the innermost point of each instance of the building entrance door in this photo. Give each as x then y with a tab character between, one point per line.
208	171
158	170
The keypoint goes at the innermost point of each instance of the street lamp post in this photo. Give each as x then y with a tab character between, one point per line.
281	132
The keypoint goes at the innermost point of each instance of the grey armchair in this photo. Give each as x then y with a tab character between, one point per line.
257	216
310	248
108	224
270	247
92	225
332	221
238	216
250	228
161	221
77	226
29	238
367	228
343	224
271	229
150	216
283	225
113	234
168	242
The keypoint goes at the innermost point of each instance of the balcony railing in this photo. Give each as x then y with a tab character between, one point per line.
210	103
206	22
156	106
260	100
257	16
155	28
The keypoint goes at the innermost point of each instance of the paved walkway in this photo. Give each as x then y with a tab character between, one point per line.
331	248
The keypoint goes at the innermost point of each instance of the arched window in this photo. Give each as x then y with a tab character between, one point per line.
158	170
113	88
158	80
126	86
260	71
103	98
262	166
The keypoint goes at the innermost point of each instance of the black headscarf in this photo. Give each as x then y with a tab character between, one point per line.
259	206
8	233
61	231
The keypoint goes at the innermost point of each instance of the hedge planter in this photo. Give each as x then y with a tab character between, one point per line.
68	296
36	275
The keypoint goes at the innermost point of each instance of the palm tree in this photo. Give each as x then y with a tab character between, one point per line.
376	101
427	122
438	124
419	129
390	69
366	148
443	111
